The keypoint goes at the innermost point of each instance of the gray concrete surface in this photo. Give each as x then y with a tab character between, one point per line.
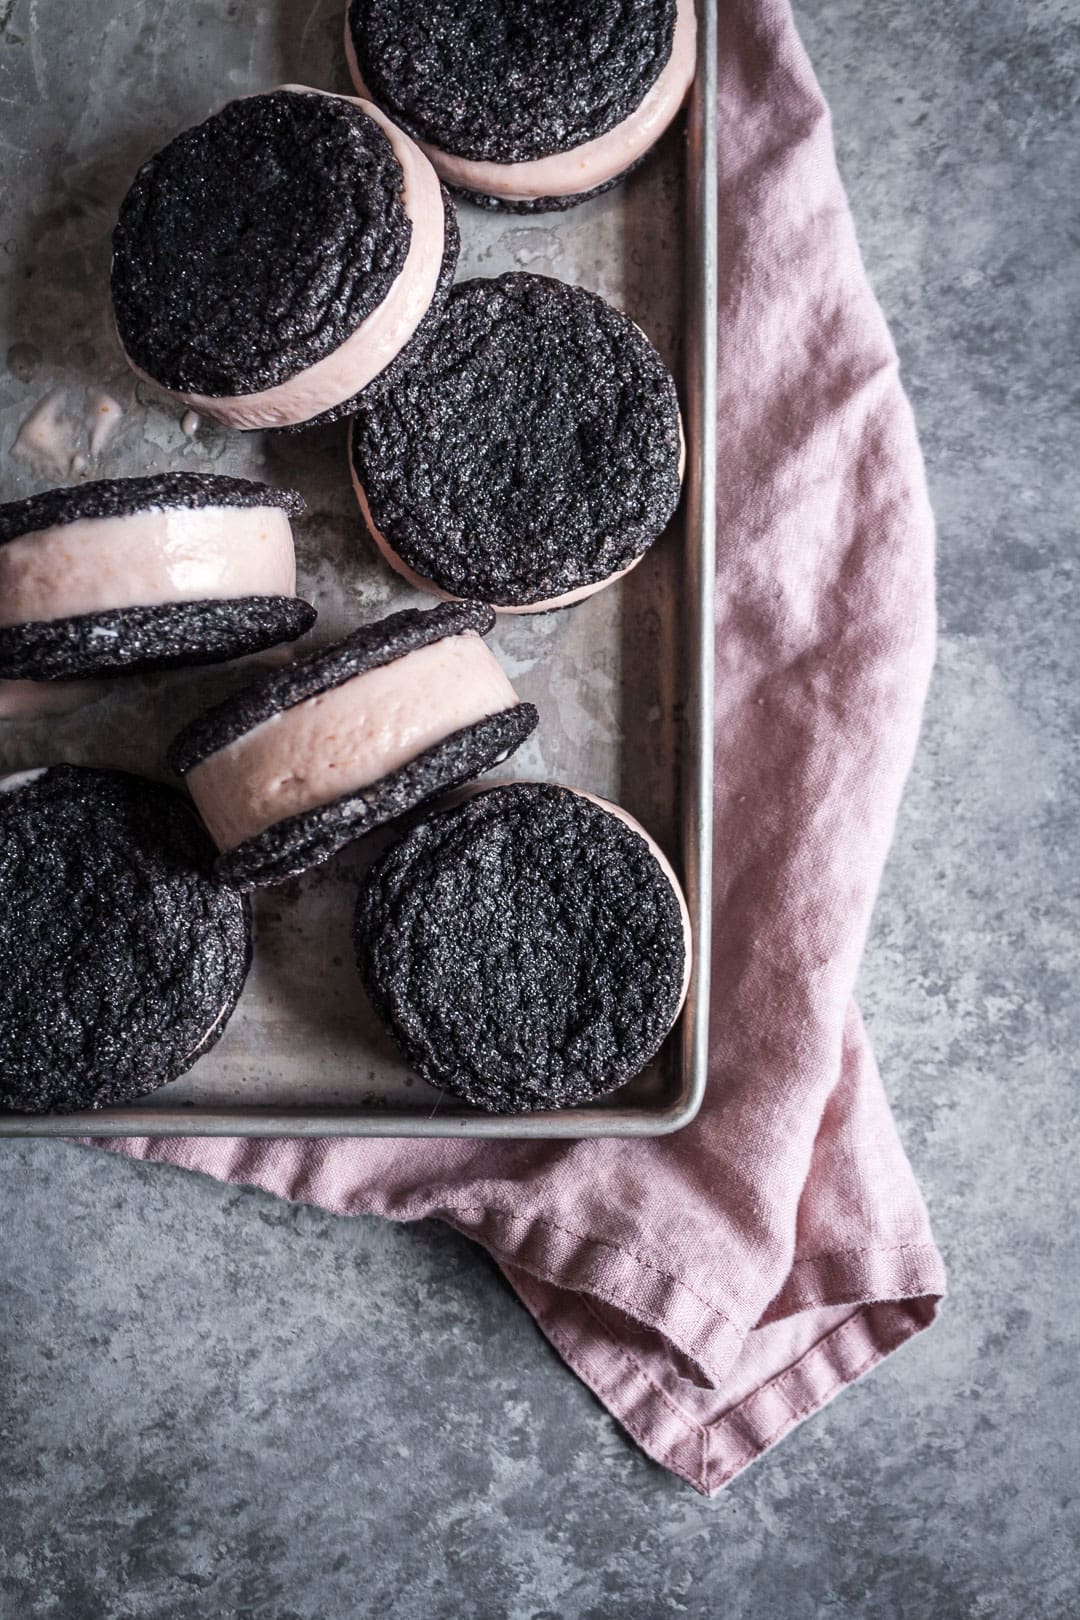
212	1405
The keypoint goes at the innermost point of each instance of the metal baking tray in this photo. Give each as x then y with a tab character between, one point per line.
623	681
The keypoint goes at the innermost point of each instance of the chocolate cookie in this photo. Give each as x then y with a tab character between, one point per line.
533	455
528	948
121	955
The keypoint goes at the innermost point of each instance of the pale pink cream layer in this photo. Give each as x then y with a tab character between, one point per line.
146	558
31	700
379	338
420	584
568	174
347	738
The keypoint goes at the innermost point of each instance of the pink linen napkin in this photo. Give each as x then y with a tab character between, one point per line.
717	1286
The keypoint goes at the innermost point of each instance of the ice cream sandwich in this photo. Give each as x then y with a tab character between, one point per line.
529	948
313	756
528	105
127	575
122	956
268	263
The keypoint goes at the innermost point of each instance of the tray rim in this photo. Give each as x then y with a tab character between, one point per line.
696	794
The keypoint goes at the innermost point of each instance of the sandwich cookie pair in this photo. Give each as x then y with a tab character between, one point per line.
529	948
130	575
528	105
311	757
122	955
272	261
532	455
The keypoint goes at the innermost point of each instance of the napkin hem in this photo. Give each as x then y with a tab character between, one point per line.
843	1275
709	1455
555	1270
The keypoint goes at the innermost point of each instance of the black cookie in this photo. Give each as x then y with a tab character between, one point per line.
510	80
255	244
525	948
298	842
140	640
534	450
137	640
121	955
124	497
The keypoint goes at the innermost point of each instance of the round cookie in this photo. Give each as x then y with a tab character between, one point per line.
129	575
527	105
269	262
313	756
529	948
121	955
531	458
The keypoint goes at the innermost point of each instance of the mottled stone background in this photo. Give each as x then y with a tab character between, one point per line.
213	1405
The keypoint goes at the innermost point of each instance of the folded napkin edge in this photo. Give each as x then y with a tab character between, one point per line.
709	1455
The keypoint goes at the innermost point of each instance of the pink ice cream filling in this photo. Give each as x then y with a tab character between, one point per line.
179	554
595	162
347	738
380	337
32	700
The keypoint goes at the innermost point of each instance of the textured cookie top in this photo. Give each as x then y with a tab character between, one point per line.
119	951
123	497
510	80
525	947
365	649
255	243
535	449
